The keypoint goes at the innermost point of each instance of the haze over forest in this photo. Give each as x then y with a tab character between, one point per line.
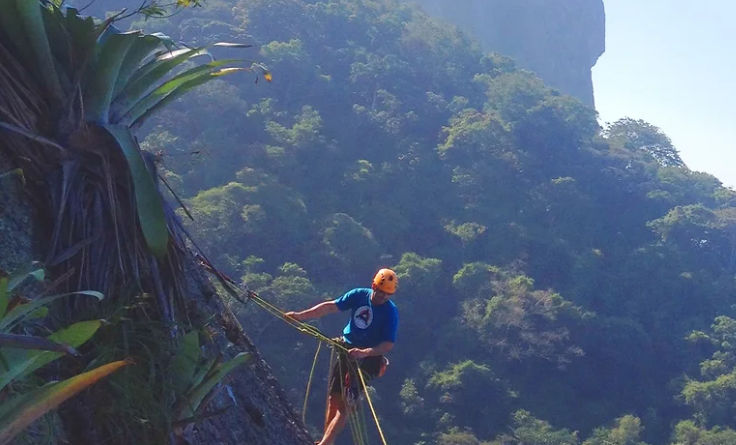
560	283
551	270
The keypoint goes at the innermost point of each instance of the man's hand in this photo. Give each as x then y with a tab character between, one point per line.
292	314
357	353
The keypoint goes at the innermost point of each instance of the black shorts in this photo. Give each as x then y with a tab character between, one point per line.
344	374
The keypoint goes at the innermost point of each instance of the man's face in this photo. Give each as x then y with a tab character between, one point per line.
380	297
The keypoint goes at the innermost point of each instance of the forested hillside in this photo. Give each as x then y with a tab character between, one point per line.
560	282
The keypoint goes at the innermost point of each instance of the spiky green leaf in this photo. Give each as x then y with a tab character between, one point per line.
188	77
33	270
104	74
185	362
21	363
181	90
232	45
20	341
31	19
147	198
194	399
166	41
203	369
78	37
17	414
145	78
141	49
18	313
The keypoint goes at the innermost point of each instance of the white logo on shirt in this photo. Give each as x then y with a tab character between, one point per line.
363	317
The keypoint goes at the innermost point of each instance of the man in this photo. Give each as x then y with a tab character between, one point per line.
368	336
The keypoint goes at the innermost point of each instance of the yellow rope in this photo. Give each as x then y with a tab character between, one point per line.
355	415
329	380
309	383
313	331
370	404
303	327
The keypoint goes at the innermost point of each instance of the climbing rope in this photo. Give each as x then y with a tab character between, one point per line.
329	379
357	422
309	383
357	426
356	419
373	411
356	415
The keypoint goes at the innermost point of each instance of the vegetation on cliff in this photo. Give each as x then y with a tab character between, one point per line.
72	91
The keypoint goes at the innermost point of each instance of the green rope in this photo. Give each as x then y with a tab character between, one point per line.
373	411
309	383
314	332
308	329
356	416
362	424
301	326
329	388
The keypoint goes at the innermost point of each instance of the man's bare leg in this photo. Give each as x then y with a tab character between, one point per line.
331	410
337	416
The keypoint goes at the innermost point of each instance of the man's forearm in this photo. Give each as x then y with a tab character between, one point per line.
317	311
381	349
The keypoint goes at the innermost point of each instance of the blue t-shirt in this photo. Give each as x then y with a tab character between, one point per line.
369	325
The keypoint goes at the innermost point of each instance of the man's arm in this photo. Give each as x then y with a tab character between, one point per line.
382	349
317	311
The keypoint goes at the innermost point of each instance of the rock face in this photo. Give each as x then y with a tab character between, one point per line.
559	40
256	410
16	228
252	407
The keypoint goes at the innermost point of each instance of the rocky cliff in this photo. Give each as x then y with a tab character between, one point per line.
15	220
252	407
559	40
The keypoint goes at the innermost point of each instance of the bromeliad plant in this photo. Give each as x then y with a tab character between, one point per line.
72	91
21	354
194	379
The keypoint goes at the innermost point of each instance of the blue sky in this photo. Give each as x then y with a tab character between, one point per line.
672	63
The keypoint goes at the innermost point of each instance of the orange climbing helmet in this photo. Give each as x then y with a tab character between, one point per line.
386	281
